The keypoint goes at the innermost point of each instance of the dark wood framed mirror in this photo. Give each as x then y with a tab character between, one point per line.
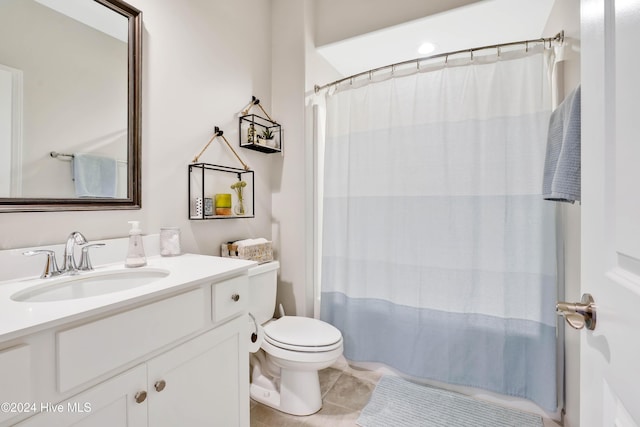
70	82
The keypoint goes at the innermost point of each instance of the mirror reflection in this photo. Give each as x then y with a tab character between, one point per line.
64	100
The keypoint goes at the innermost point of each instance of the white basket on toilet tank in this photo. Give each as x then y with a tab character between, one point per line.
259	250
284	372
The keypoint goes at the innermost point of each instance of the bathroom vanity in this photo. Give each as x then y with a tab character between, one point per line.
170	352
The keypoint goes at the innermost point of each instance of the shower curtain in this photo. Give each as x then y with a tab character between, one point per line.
438	251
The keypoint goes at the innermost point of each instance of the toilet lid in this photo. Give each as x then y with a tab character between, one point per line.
301	332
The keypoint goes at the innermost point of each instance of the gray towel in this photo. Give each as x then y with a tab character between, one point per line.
561	182
94	176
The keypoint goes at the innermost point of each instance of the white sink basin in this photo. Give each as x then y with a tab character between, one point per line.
89	285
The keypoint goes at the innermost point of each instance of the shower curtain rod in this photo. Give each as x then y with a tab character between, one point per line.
557	38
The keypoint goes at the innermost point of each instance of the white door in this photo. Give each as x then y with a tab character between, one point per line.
118	402
610	354
203	382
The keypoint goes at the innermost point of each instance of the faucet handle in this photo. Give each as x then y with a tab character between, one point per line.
85	261
50	267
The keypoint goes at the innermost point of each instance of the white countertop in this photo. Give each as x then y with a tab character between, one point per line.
187	270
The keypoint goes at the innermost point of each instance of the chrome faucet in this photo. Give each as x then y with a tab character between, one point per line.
69	266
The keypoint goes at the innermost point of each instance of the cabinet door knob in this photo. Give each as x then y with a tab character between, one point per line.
160	385
140	396
235	297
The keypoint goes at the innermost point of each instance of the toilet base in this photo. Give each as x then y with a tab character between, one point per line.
298	394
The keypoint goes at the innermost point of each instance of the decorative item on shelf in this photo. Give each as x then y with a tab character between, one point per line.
251	133
238	209
267	138
223	204
257	132
196	207
208	206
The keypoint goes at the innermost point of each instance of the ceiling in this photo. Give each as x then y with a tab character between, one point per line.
483	23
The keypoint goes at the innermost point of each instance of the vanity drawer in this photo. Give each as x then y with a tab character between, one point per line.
96	348
229	297
15	371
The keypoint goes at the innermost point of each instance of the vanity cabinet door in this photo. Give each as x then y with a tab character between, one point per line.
202	382
113	403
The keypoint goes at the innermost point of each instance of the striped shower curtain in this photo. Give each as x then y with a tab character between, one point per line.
438	251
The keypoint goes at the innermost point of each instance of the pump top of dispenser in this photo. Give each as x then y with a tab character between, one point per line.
135	228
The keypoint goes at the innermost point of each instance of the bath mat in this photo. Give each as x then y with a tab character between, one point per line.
396	402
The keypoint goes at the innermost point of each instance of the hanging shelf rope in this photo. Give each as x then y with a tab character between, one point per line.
255	101
218	132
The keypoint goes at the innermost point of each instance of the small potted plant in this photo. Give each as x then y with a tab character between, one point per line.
268	138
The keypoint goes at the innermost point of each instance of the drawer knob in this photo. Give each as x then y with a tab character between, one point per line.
235	297
140	396
160	385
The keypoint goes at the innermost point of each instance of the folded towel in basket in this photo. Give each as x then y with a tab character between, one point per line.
250	242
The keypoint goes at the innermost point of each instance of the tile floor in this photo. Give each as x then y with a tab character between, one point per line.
345	392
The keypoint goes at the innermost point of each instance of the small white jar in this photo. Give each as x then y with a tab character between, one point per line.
169	241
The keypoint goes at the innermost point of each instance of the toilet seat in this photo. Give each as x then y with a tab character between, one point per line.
302	334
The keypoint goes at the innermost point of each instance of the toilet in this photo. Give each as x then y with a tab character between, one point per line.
284	370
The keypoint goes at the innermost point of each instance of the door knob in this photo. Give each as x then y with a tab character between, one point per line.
579	314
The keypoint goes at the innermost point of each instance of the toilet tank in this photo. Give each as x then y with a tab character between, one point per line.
263	284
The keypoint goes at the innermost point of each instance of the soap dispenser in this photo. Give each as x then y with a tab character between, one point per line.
135	256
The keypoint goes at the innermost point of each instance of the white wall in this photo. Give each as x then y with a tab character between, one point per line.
290	217
296	68
202	61
565	15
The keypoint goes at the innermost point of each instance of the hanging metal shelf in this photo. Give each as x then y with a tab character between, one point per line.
206	181
260	134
